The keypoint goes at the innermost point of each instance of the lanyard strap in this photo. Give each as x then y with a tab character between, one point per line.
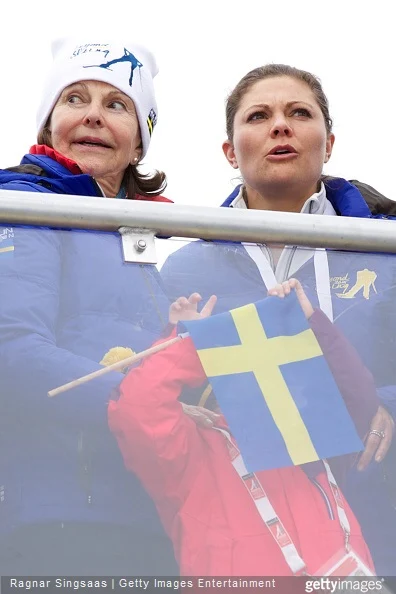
265	509
264	267
268	513
322	275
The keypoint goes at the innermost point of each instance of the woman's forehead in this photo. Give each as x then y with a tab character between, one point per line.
95	85
279	89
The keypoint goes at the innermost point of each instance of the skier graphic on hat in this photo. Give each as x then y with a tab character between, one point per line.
127	57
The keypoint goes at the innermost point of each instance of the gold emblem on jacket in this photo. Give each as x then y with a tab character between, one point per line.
365	281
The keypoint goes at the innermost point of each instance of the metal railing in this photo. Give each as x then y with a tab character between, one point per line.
63	211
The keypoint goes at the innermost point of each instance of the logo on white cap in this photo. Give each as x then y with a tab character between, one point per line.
127	57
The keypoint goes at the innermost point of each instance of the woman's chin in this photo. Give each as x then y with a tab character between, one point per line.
283	180
92	168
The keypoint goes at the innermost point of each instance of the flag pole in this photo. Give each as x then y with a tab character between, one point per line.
114	367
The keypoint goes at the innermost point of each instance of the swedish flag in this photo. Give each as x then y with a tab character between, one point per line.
273	384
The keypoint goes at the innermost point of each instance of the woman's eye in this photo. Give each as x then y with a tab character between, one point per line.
301	111
74	99
117	105
257	115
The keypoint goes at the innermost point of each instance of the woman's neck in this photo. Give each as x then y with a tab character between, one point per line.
110	185
283	201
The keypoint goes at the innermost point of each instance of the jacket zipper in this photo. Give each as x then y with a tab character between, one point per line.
325	497
289	261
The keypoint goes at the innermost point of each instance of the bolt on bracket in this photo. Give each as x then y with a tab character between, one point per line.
138	245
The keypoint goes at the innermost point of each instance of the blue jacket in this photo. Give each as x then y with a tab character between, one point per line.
67	297
365	313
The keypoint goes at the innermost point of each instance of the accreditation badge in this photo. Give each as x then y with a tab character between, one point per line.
343	565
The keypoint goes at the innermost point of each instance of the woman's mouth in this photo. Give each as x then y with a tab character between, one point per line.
282	157
284	152
92	143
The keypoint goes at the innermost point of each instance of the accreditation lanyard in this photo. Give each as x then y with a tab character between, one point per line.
322	275
268	513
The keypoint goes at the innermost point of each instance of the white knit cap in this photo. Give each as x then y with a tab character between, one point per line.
129	67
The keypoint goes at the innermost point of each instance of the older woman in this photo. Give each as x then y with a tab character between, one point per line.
279	135
68	299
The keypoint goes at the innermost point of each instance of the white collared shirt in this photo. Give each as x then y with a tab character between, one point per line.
316	204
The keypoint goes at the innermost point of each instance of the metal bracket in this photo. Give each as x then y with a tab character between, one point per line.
138	245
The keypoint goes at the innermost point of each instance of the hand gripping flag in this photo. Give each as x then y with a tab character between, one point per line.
273	384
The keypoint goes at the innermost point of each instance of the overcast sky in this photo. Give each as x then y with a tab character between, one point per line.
203	49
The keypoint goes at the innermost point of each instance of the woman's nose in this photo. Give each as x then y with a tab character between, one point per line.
93	117
280	127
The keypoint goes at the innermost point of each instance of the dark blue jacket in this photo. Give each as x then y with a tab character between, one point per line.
67	297
367	317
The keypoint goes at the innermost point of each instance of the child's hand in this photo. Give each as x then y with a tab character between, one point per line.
283	289
184	309
200	415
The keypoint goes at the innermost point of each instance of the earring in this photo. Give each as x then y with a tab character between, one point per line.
135	161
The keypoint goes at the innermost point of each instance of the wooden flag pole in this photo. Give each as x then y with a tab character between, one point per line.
114	367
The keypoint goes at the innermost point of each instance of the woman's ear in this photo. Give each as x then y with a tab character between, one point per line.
229	153
137	155
329	147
